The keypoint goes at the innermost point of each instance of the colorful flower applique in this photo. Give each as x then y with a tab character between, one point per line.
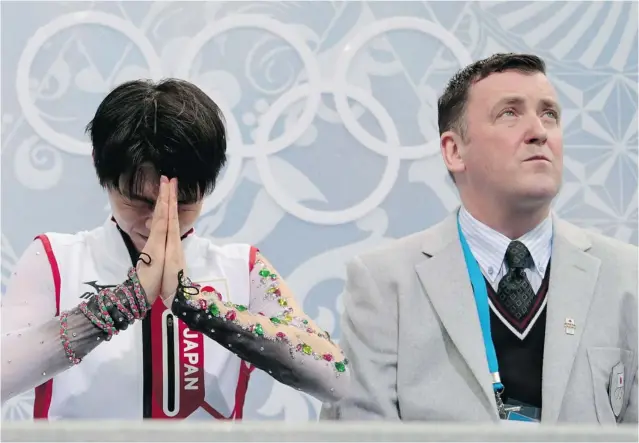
287	316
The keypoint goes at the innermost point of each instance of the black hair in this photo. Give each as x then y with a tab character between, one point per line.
171	126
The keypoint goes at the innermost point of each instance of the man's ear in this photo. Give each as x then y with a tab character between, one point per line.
450	146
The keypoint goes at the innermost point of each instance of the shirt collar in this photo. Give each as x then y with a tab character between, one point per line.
489	246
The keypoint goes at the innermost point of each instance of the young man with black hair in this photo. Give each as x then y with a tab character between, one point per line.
186	321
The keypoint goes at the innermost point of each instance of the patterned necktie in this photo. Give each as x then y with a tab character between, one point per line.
514	292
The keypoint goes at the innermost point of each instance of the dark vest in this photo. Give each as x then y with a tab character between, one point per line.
520	361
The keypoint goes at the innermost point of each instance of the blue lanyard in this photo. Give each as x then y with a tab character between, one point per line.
481	300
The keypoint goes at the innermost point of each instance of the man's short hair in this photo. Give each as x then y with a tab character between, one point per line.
451	106
171	125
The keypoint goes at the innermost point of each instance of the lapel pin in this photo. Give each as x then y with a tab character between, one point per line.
569	326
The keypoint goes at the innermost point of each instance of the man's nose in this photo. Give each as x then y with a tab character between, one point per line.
537	133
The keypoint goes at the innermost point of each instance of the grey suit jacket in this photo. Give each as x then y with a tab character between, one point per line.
411	331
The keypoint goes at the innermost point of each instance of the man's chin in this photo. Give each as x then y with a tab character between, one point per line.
539	186
537	195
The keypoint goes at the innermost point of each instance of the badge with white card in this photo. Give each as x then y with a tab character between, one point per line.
616	388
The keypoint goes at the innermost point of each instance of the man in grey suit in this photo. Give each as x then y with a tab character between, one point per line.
502	310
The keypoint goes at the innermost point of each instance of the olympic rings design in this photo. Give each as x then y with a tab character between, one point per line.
311	90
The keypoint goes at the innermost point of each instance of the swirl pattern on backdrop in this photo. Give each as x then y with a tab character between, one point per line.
331	117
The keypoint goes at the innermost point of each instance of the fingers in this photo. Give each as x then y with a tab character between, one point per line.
173	241
174	221
174	254
159	225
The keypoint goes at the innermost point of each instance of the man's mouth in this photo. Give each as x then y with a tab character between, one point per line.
538	157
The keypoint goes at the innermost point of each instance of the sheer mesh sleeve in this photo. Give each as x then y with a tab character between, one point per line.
32	352
317	362
274	334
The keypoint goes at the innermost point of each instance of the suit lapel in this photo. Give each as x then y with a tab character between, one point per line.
445	280
573	277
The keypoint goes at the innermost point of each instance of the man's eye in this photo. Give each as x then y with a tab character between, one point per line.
552	114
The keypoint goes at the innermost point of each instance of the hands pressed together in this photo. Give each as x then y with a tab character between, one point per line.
163	257
265	340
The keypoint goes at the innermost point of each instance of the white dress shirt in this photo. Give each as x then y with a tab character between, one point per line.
489	248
